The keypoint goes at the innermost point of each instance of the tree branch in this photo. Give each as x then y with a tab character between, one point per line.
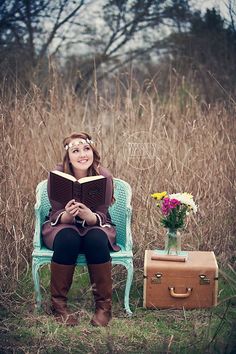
57	25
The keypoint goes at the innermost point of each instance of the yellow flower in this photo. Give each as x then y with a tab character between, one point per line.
159	196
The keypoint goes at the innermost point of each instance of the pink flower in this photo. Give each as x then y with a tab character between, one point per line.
174	203
165	206
169	204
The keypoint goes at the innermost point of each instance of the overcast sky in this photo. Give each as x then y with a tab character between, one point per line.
220	5
97	20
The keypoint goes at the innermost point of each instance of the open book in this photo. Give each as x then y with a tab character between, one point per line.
90	190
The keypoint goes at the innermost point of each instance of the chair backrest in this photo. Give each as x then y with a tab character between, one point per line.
120	212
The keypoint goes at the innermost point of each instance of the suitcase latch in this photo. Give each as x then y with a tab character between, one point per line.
156	279
203	279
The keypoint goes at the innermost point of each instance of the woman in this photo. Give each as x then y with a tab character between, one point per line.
74	229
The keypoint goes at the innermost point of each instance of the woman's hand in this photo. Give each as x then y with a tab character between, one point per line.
74	209
70	212
86	214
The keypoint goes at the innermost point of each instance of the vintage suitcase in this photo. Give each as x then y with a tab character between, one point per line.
174	284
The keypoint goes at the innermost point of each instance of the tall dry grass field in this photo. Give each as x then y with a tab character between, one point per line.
177	146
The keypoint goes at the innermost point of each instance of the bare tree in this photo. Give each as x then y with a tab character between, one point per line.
131	22
31	30
28	29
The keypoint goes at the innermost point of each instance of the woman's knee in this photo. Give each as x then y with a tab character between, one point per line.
66	246
96	247
95	239
66	239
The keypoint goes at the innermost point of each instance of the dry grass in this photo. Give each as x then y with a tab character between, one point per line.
194	149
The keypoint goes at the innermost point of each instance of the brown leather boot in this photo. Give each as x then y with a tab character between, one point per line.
101	281
61	280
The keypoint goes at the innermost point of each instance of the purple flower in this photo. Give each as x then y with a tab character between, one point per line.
169	204
174	203
165	208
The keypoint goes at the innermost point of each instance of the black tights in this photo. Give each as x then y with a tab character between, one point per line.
68	244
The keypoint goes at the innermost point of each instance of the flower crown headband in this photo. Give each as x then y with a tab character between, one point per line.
78	142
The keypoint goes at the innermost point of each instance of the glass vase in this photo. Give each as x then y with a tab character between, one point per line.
173	242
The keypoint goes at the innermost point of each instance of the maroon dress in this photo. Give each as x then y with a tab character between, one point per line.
52	226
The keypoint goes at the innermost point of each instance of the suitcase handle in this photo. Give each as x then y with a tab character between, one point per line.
182	296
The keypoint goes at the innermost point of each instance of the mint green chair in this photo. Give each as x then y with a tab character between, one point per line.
121	215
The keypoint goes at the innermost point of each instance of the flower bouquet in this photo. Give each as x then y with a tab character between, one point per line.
174	209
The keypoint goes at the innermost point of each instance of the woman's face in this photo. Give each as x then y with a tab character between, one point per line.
80	155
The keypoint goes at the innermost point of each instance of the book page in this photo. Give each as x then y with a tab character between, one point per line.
65	175
90	178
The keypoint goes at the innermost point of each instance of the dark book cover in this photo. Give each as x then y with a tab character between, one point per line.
64	187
